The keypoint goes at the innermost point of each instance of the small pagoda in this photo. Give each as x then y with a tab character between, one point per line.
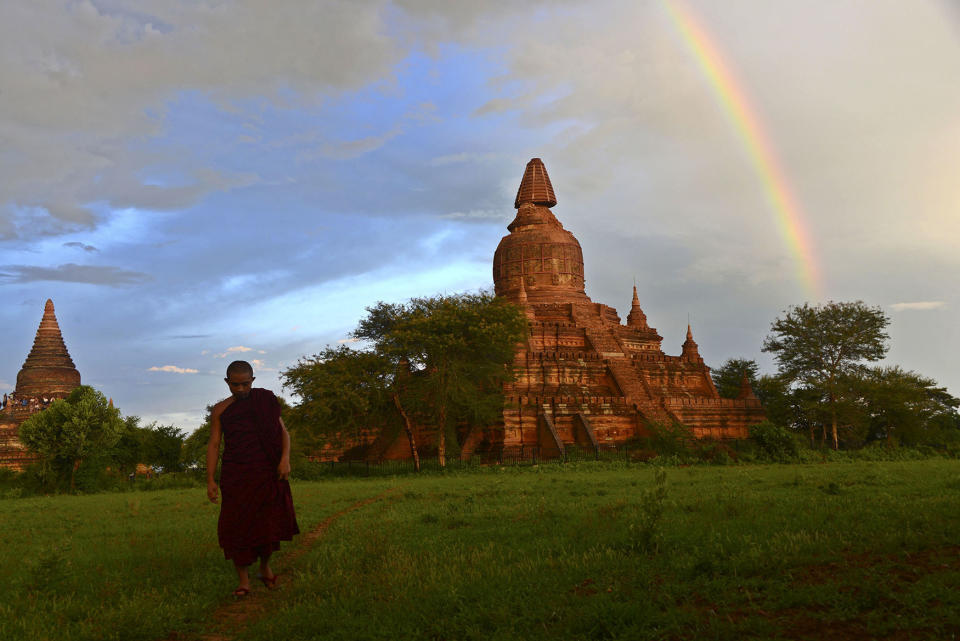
47	375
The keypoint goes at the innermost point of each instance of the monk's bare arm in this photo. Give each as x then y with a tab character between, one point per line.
213	450
284	468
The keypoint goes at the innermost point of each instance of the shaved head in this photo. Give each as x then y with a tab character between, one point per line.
239	367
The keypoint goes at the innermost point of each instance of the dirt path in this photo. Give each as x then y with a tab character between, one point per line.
235	613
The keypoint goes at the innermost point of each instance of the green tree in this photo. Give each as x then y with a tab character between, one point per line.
70	430
125	453
817	346
776	396
343	392
161	446
458	347
901	406
193	452
727	377
775	441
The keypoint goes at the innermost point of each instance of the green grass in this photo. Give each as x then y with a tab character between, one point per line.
124	566
581	551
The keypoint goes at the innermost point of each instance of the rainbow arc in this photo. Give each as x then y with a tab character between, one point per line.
789	216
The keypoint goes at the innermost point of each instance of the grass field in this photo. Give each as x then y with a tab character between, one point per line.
588	551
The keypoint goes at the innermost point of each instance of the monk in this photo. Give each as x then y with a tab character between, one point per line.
257	509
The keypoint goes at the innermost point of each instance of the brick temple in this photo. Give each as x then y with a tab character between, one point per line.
584	377
47	375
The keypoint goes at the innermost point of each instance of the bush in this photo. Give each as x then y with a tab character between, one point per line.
774	443
670	440
717	453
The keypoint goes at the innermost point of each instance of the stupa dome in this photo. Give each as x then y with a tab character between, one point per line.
48	371
539	257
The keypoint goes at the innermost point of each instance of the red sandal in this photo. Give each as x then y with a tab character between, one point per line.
270	583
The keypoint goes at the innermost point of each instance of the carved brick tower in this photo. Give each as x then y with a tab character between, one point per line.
583	377
47	375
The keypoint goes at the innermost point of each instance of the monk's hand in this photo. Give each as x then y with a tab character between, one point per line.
212	491
283	470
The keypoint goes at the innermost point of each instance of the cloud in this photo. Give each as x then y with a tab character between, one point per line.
236	349
479	215
73	273
86	248
88	86
464	157
173	368
919	305
261	366
344	341
348	149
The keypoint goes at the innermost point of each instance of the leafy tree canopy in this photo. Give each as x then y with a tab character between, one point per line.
457	348
816	345
160	446
903	406
342	392
80	426
193	452
727	377
461	344
819	346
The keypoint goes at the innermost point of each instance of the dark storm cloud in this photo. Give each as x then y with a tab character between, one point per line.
79	245
72	273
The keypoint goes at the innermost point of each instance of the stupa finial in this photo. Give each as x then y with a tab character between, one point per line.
690	351
636	318
535	188
746	390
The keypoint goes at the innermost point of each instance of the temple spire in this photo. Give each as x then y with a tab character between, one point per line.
746	391
535	188
48	370
636	318
690	352
522	301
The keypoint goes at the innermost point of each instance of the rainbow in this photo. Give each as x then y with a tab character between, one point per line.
789	215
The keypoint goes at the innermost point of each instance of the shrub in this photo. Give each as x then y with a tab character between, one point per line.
643	532
775	443
670	440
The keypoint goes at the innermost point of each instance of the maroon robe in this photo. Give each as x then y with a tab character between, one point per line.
257	508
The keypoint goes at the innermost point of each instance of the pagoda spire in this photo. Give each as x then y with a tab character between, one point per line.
690	351
522	301
636	318
534	199
535	188
746	391
48	370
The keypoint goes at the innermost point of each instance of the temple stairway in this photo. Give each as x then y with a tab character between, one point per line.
634	389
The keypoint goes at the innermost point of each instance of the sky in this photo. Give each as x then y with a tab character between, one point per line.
197	181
